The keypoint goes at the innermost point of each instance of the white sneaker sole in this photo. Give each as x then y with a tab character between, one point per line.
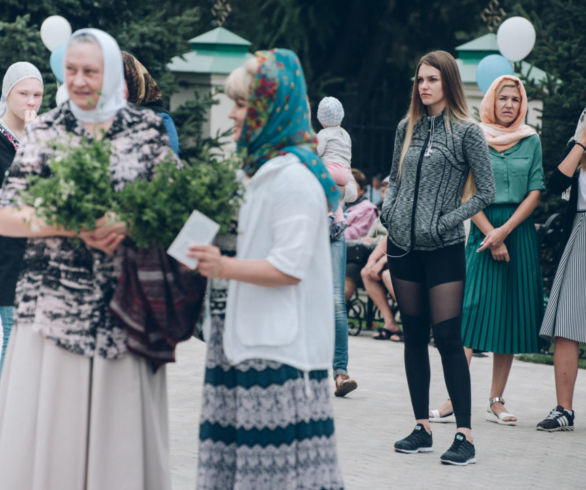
457	463
413	451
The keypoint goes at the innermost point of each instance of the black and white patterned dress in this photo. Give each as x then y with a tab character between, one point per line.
73	401
263	425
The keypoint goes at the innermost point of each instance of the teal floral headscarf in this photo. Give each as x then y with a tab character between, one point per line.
277	120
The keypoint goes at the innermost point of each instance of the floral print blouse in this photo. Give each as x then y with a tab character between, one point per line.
64	287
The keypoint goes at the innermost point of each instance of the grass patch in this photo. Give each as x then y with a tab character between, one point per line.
545	359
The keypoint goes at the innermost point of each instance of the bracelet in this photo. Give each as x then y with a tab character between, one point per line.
580	144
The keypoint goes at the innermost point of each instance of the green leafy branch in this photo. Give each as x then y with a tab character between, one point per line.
79	191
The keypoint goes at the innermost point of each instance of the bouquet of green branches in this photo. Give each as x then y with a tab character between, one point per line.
155	211
78	190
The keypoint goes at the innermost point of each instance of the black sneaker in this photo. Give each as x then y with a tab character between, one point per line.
419	441
461	452
558	419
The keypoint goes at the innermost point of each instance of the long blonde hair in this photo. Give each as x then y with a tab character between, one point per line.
456	108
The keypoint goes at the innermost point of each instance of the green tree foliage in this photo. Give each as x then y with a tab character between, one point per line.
21	42
153	31
363	52
189	117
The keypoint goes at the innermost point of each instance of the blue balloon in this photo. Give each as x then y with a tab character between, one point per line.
57	62
490	68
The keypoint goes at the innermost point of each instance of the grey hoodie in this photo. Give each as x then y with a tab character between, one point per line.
423	207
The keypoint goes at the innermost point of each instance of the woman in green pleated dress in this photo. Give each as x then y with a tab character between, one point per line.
503	297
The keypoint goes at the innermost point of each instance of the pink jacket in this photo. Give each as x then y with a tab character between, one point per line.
360	218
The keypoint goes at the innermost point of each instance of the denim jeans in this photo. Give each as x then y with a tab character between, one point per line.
338	250
6	315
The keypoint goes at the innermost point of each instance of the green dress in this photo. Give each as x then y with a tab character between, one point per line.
503	302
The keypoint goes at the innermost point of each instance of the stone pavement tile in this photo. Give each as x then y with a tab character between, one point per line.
372	418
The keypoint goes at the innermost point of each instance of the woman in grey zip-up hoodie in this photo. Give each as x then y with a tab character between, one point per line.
440	156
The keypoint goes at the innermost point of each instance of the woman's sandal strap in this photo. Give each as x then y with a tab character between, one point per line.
496	399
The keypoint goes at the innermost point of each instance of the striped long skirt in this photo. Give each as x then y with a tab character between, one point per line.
565	315
264	425
503	301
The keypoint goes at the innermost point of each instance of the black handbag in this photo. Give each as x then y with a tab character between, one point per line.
358	252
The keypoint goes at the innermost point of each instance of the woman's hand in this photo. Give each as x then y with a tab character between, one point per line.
210	259
582	139
107	244
493	238
29	116
500	253
106	225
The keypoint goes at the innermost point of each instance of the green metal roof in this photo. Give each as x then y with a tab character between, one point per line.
482	43
218	51
219	35
472	52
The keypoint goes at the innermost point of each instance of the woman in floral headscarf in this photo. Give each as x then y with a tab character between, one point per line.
267	419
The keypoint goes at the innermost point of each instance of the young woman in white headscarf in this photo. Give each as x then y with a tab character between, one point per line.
77	410
22	94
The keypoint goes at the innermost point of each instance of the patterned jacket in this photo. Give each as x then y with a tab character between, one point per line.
65	287
423	207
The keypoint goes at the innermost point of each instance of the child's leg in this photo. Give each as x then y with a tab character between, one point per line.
339	172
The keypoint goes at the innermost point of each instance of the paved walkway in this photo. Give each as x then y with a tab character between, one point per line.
372	418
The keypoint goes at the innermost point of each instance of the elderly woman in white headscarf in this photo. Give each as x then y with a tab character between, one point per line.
22	94
77	410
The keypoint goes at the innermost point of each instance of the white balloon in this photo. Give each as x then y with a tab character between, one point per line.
55	31
515	38
62	95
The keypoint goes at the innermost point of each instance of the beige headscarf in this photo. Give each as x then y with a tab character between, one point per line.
499	137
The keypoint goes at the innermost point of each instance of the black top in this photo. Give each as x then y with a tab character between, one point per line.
558	183
11	249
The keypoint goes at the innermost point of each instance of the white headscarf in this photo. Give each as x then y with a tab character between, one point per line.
112	94
17	72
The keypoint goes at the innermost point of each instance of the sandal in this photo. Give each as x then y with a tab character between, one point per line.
499	418
344	384
442	419
386	334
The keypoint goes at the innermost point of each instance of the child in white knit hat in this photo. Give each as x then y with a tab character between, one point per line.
335	149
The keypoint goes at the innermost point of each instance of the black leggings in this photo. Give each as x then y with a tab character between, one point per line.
429	286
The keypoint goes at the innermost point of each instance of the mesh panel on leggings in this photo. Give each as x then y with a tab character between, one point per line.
445	301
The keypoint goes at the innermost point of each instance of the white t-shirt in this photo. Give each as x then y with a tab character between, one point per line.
283	219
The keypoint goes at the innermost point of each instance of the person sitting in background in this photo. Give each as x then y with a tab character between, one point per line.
383	189
141	89
377	281
358	251
375	191
360	214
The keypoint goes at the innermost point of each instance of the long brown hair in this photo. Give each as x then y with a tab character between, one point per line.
456	108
